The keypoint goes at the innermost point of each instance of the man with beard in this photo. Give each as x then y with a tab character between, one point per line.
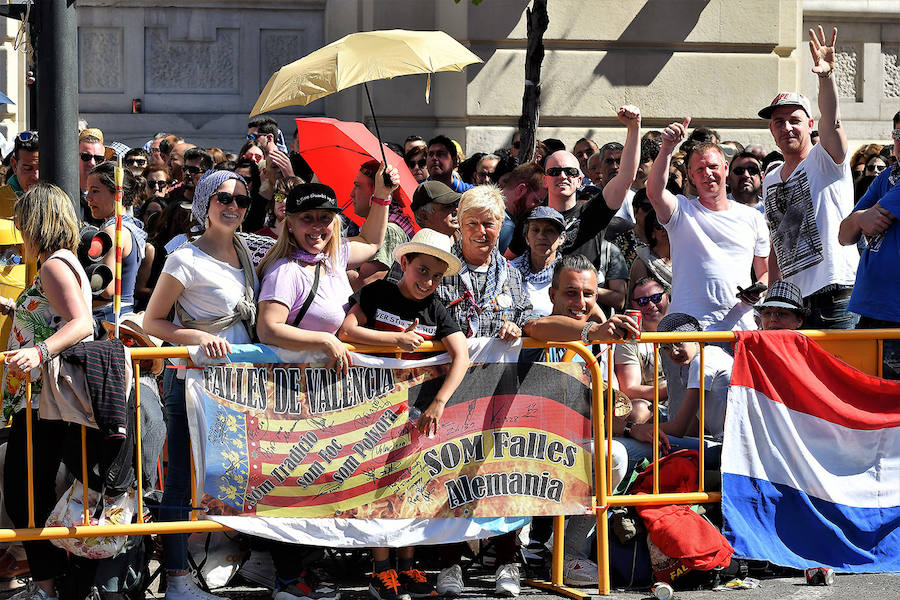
745	180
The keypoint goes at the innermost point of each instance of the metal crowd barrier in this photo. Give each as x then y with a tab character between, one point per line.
601	423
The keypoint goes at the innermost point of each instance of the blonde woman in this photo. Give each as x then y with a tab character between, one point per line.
314	244
302	303
51	315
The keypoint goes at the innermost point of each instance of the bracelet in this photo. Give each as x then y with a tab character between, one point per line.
825	76
584	333
381	201
43	352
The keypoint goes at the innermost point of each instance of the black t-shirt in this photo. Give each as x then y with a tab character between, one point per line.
585	223
386	309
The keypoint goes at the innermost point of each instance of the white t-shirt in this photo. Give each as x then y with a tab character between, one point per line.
717	365
541	306
712	254
804	214
212	288
626	211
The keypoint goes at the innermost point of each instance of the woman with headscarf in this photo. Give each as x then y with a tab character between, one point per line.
211	284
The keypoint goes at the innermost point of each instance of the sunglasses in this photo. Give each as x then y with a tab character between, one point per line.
752	171
154	150
875	168
895	134
88	157
645	300
644	206
136	162
412	164
27	136
226	198
252	136
192	169
557	171
671	346
516	144
161	183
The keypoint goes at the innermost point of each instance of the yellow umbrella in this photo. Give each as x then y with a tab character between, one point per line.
361	57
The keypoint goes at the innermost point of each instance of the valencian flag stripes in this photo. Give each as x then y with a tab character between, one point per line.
291	439
811	458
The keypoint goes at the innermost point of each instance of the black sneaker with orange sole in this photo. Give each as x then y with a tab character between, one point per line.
386	586
416	584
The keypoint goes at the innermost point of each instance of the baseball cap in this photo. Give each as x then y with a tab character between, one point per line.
787	99
311	196
433	191
548	214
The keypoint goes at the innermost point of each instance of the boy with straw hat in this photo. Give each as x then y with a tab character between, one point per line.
405	314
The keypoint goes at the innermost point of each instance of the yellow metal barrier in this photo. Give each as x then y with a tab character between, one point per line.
602	428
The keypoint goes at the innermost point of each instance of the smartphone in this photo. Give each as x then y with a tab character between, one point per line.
756	288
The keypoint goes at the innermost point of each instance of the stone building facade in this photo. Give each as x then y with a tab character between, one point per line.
198	65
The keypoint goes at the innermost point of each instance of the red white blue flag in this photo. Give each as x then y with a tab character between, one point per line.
811	458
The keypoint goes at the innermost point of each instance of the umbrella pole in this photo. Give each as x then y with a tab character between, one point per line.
387	179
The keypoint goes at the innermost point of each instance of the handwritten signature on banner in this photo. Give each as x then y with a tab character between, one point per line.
298	441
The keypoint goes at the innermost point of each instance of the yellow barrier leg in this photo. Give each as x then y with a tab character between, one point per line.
84	477
29	450
555	584
137	432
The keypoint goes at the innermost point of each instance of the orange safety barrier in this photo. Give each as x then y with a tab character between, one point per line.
601	422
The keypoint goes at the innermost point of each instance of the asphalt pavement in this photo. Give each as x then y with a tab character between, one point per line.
846	587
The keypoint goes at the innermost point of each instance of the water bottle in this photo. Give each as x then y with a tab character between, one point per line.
10	257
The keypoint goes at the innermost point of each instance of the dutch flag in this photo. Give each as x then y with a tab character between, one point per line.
811	458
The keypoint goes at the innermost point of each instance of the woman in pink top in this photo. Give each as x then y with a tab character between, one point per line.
313	244
310	248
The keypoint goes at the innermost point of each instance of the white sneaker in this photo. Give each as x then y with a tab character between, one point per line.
182	587
580	571
450	582
507	581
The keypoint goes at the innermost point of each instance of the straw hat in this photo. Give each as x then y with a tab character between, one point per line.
433	243
132	324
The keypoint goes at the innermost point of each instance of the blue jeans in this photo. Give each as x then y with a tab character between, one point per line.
177	494
828	310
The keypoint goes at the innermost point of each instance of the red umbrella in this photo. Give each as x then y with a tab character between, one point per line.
336	149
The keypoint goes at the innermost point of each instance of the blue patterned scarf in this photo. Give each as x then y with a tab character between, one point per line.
538	280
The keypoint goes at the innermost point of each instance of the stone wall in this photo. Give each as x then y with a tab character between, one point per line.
868	62
197	67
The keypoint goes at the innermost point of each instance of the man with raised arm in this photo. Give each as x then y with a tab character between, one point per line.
808	196
715	241
586	221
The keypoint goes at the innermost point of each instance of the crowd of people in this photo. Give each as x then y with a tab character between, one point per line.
695	232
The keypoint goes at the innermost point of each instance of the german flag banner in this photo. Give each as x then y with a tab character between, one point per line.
297	440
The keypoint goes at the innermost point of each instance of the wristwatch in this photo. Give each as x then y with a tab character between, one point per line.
585	333
627	431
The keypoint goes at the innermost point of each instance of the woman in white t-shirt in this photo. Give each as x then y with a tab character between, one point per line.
211	284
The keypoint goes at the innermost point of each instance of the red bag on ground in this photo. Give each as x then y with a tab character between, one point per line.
687	540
